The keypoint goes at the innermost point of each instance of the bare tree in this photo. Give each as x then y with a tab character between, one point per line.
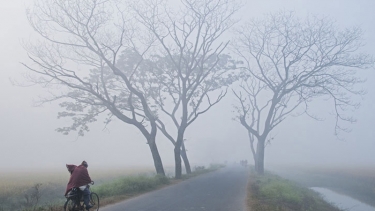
289	62
194	72
199	100
79	52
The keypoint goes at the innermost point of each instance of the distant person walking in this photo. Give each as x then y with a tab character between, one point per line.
80	178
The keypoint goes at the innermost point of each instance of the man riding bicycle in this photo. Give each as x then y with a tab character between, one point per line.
80	178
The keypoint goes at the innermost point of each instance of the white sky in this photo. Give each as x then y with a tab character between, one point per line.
28	138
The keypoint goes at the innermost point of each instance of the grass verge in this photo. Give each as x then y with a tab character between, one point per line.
127	187
273	193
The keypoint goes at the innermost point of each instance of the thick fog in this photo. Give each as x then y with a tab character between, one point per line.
28	138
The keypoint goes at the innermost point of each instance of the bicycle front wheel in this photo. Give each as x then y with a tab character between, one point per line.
70	205
94	201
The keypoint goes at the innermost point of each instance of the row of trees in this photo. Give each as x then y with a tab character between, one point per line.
159	68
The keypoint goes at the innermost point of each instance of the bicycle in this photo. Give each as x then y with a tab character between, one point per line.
74	201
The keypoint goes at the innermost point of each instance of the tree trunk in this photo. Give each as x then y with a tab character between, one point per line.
185	159
255	159
177	158
260	156
177	152
252	139
156	156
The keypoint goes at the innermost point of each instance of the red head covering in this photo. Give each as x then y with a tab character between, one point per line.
79	177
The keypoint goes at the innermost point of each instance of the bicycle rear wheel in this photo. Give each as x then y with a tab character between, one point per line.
70	205
94	201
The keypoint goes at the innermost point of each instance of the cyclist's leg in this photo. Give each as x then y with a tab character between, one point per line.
86	198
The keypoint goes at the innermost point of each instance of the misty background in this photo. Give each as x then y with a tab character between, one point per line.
28	139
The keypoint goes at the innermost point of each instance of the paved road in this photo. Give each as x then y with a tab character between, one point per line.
222	190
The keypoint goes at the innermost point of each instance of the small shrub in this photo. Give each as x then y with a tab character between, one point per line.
32	196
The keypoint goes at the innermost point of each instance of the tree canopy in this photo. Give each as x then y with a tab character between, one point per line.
289	62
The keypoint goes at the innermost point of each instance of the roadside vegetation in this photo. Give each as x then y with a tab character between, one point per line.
270	192
356	182
37	193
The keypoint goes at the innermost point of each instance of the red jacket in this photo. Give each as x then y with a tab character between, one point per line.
79	177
